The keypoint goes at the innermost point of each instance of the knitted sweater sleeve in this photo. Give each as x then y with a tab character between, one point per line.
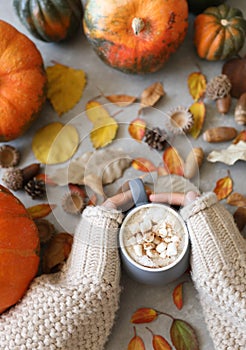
218	264
75	308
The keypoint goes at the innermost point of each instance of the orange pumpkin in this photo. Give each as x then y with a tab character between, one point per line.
136	36
23	82
19	248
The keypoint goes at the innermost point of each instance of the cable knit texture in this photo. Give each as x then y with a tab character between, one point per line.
218	264
73	309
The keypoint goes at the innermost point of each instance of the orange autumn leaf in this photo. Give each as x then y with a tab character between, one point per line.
198	111
40	210
162	170
240	137
197	85
158	342
121	100
223	187
143	164
178	296
137	129
144	315
136	343
173	161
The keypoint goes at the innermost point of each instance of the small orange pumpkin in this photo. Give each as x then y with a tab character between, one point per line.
136	36
23	82
219	32
19	249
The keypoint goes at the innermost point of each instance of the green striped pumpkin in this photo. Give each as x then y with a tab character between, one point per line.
50	20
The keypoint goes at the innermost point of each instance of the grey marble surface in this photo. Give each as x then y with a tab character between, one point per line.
78	54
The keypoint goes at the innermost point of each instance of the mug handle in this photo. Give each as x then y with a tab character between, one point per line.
138	192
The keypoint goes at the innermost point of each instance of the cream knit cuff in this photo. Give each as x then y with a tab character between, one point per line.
200	203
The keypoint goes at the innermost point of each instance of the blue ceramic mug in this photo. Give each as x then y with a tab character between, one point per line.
142	214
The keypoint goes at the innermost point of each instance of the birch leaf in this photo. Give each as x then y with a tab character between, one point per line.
137	129
96	113
198	111
65	87
197	85
223	187
173	161
55	143
229	155
240	137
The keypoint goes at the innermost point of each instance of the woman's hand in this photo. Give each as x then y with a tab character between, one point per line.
121	201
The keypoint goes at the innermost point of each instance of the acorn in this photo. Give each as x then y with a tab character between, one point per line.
218	89
219	134
15	178
240	110
9	156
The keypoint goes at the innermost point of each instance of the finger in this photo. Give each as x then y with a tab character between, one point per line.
167	197
123	201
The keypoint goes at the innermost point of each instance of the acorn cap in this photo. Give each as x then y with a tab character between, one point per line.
9	156
218	87
73	203
179	120
46	230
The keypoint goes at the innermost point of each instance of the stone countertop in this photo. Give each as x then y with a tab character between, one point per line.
77	53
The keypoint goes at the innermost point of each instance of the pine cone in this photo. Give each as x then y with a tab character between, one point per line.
155	138
35	188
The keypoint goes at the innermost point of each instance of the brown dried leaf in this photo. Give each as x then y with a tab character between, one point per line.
56	252
230	155
151	95
236	199
223	187
197	85
240	217
198	111
40	210
121	100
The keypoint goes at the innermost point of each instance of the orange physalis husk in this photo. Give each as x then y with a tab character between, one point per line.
240	137
40	210
223	187
121	100
198	111
178	296
144	315
158	342
136	343
143	164
197	85
173	161
137	129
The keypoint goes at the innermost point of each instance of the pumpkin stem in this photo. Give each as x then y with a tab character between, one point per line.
224	22
137	25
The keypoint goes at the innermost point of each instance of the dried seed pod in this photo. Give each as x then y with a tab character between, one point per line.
16	179
220	134
223	104
9	156
46	230
73	203
193	162
179	120
240	110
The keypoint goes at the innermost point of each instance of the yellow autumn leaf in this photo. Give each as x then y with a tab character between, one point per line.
96	113
104	126
55	143
197	85
198	111
65	87
103	133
